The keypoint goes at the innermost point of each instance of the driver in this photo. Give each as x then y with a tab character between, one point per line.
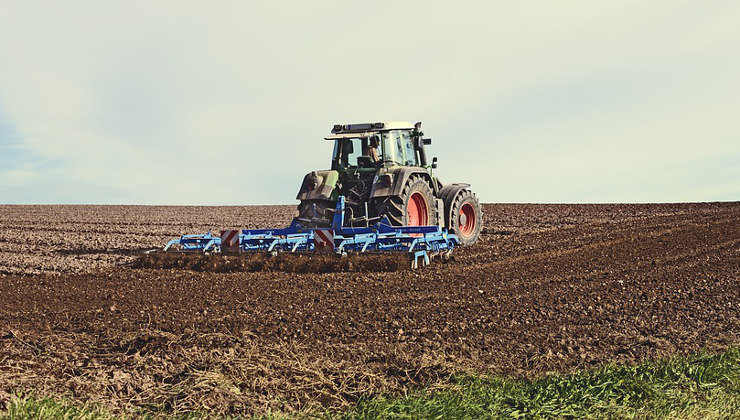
372	149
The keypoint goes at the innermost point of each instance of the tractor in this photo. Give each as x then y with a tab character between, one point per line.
381	169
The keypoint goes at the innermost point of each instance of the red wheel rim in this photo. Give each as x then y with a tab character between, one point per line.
466	220
416	210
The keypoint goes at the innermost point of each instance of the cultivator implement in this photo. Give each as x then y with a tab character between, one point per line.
421	243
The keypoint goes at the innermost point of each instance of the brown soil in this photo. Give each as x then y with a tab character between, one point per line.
548	288
294	263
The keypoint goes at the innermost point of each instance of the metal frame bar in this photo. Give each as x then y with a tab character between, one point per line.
423	242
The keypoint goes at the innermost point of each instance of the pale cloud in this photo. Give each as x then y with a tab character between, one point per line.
18	177
181	102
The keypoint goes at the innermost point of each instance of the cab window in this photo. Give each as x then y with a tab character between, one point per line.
347	151
398	148
392	148
409	154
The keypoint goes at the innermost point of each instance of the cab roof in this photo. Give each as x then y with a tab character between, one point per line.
397	125
379	126
344	131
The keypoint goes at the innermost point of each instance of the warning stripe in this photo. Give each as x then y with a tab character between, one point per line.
324	237
228	237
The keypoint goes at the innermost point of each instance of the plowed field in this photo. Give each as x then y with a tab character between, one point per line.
548	288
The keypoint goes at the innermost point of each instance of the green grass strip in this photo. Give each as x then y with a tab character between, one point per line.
29	407
701	386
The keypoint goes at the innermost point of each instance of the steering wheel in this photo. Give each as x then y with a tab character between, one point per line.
365	162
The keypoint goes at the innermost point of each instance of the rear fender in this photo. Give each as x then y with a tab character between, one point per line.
398	178
319	185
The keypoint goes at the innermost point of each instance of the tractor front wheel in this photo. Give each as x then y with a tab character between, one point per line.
466	218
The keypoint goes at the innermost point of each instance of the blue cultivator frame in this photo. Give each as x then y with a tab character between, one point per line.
421	242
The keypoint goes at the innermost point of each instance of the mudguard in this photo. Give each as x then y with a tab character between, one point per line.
398	177
318	185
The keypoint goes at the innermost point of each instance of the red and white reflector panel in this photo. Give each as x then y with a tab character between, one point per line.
230	241
323	240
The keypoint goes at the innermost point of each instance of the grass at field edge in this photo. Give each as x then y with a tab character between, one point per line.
703	386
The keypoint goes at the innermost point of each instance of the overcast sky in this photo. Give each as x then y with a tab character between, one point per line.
175	102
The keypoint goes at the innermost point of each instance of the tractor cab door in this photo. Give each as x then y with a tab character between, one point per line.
358	152
347	152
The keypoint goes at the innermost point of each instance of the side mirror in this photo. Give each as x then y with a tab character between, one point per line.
434	162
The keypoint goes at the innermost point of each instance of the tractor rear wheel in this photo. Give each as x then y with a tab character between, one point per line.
315	213
415	206
466	217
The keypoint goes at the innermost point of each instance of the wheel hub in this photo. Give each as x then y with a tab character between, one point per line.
416	210
466	220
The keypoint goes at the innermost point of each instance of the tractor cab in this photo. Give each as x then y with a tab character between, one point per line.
375	145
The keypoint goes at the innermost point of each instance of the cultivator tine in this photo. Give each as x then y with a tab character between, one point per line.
421	242
425	259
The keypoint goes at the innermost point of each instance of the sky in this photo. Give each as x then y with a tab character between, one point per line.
227	102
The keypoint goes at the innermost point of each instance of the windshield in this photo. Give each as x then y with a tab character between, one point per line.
364	152
398	148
